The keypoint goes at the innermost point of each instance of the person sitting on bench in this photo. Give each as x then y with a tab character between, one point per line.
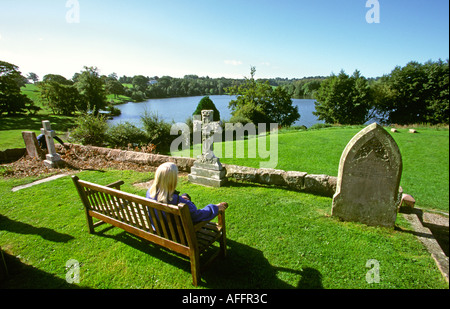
163	191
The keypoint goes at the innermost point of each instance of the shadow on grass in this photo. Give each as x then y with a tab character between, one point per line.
247	268
235	183
24	228
34	122
243	268
22	276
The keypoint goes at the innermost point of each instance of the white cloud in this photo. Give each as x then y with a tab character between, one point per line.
233	62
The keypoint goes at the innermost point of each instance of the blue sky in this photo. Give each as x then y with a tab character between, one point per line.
283	38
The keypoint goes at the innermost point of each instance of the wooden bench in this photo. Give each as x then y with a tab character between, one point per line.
166	225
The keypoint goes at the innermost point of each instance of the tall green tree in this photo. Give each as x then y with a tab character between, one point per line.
281	110
415	93
140	82
60	95
91	88
438	97
344	99
12	101
259	103
113	86
33	76
406	85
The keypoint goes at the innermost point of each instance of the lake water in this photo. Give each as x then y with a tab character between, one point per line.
179	109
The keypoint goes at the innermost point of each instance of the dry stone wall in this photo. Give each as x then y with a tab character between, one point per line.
317	184
300	181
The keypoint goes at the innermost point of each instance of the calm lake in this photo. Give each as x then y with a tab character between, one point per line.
179	109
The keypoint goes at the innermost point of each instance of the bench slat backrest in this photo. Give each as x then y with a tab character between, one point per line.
165	224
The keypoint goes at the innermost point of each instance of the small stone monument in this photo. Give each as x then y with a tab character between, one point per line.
52	158
368	181
32	146
207	169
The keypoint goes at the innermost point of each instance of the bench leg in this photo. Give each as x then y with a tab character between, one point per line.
90	222
223	238
195	268
223	245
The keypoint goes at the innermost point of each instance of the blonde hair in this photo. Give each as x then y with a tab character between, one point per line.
165	182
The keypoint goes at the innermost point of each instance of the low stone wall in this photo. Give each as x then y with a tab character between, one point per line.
316	184
300	181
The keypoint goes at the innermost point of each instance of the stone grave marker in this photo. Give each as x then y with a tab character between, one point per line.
368	181
32	146
207	169
52	158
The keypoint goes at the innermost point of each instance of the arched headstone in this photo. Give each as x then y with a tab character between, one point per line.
368	181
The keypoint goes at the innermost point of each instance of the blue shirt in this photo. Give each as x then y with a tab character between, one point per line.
205	214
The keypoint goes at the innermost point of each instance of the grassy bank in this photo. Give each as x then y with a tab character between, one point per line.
425	158
425	154
276	239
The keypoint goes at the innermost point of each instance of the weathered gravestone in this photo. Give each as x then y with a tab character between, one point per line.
52	158
207	169
32	146
368	181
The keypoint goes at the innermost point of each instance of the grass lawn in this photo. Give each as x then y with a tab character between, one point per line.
425	158
11	128
277	238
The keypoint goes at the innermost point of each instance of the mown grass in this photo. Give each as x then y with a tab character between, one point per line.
425	157
277	238
425	154
11	127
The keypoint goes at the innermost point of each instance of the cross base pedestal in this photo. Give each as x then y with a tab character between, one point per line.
53	161
210	175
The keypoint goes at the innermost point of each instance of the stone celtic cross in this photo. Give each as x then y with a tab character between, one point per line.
207	169
52	158
209	128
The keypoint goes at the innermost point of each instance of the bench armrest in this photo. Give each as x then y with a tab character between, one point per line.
221	218
221	221
116	185
200	224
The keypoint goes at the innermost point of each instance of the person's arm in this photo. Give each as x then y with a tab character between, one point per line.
207	213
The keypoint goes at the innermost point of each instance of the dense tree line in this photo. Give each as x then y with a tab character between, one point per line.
192	85
168	87
303	88
415	93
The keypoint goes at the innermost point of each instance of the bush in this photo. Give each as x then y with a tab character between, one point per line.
113	111
157	131
123	134
207	104
240	119
90	129
138	96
